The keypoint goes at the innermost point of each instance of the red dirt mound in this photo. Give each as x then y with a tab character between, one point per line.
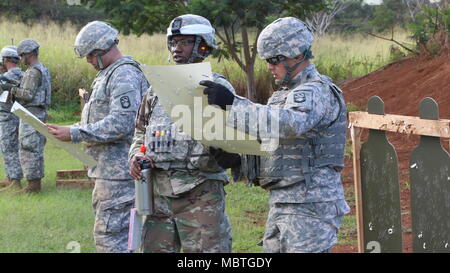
401	85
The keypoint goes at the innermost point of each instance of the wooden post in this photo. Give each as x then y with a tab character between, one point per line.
355	133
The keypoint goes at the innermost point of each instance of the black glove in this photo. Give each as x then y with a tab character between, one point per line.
6	86
217	94
224	159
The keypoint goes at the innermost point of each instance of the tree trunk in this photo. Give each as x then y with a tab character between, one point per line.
251	83
249	66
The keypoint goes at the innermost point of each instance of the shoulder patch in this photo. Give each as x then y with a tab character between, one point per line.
125	102
300	99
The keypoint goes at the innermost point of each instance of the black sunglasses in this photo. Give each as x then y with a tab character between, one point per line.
275	60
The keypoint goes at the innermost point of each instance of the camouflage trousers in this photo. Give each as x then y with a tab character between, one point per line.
112	202
31	148
303	227
9	144
195	222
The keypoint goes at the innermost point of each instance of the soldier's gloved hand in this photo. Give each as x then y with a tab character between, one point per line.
217	94
224	159
6	86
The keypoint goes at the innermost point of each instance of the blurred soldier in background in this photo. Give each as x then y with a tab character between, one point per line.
2	68
9	123
303	172
34	93
107	125
188	177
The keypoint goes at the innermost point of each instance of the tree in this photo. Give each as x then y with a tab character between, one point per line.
140	16
321	21
239	22
356	18
57	10
415	7
383	18
431	28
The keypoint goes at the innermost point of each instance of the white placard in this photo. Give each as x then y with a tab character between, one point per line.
74	149
4	96
179	92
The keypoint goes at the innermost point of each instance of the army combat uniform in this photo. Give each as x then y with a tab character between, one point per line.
106	127
9	132
302	174
307	119
33	93
188	185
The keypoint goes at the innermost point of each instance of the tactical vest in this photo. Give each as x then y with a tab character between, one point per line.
294	160
42	97
170	148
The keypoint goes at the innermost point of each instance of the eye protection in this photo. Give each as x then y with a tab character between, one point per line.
276	60
182	43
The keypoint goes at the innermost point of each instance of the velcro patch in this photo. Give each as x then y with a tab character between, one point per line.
125	102
299	97
300	100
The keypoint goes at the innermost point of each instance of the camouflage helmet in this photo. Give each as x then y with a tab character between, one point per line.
95	35
286	36
27	46
190	24
9	52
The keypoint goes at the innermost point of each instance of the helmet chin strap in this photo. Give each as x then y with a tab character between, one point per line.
99	61
195	54
26	59
99	56
290	69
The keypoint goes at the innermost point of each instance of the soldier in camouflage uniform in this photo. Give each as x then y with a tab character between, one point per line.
9	123
188	177
106	127
34	93
2	68
303	173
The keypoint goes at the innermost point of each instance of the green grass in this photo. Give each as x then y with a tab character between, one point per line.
347	232
47	222
64	114
247	207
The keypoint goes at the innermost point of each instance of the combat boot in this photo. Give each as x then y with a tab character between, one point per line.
5	183
34	186
14	185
